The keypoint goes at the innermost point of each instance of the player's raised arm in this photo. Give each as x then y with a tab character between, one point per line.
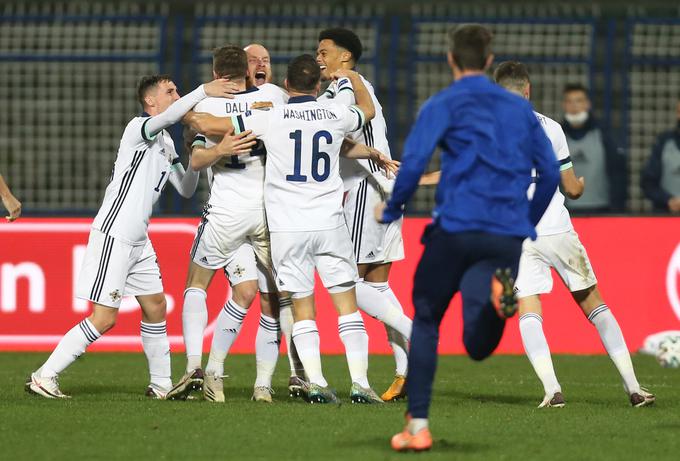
208	124
357	151
363	98
173	114
202	157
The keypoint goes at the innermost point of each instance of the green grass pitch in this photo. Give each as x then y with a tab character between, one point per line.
480	411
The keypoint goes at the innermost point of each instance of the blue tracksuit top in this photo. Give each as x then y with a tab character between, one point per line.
490	140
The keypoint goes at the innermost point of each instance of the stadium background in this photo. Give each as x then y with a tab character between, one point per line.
67	88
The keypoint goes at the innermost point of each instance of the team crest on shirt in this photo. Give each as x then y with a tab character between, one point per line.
115	295
239	271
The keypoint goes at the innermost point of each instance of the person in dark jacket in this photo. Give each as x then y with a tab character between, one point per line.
594	155
661	176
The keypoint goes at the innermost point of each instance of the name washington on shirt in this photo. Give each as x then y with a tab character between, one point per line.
309	115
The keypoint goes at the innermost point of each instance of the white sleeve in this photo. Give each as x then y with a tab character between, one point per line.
329	93
559	142
345	92
184	181
255	120
353	118
173	114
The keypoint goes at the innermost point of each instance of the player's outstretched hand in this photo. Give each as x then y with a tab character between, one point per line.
221	88
378	211
13	206
390	166
236	144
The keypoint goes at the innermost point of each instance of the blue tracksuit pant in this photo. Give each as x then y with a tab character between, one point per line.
452	262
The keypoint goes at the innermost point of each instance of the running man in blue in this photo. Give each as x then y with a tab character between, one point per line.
490	140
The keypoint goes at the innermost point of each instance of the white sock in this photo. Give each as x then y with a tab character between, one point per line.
375	303
227	328
157	350
398	342
194	321
70	347
538	352
307	343
612	338
286	321
399	346
354	337
416	425
267	343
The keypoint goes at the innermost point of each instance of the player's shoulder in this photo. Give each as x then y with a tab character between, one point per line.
273	91
134	126
208	104
549	125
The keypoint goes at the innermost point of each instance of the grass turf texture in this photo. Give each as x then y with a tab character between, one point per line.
481	410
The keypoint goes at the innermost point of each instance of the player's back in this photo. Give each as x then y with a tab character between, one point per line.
237	180
556	218
303	188
486	167
140	171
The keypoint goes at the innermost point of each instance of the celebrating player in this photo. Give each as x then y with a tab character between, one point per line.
260	71
232	234
559	247
490	141
313	234
259	64
119	259
376	245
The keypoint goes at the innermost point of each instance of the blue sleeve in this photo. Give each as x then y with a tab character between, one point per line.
651	176
547	169
432	123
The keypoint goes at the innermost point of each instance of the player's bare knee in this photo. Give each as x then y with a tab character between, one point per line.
199	277
244	293
588	299
103	318
344	298
154	307
530	304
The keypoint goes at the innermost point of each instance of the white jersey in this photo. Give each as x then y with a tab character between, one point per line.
374	133
142	168
556	218
237	182
303	189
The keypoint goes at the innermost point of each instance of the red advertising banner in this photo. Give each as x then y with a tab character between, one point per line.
636	260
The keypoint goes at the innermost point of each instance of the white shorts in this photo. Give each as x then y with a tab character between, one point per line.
236	240
372	241
112	269
565	253
297	254
244	267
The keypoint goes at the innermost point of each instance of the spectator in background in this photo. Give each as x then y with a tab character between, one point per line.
10	202
661	176
594	155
